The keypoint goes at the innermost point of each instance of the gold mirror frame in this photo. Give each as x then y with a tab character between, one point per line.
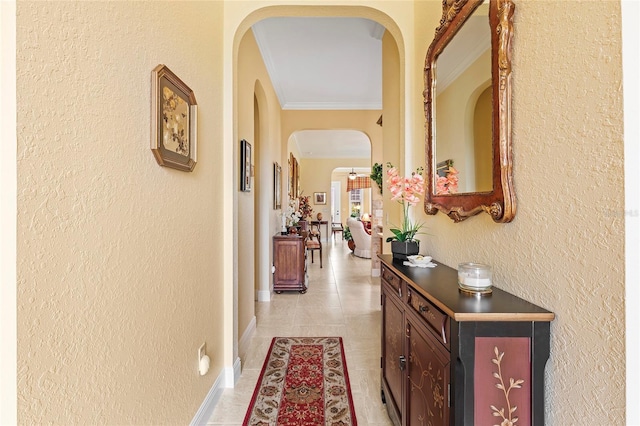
500	203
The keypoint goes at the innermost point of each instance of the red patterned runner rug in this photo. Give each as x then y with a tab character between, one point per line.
304	382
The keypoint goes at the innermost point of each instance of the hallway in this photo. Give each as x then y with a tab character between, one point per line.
343	300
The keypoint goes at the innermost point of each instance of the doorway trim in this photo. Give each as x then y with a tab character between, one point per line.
238	18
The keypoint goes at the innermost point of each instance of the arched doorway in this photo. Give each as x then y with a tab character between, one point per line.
239	320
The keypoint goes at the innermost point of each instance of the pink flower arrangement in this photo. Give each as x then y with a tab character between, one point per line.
447	184
406	191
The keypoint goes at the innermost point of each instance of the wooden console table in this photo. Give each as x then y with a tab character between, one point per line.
454	358
289	263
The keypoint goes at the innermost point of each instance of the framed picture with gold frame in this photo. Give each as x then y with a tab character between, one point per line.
245	166
319	198
174	125
294	177
277	186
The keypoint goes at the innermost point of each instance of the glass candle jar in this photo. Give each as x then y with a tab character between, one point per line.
474	276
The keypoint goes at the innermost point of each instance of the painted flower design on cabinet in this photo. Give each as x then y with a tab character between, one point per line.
502	381
507	414
429	385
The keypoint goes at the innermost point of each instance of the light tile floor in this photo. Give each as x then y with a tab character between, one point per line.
343	300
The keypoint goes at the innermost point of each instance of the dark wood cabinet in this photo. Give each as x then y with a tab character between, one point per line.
290	264
453	358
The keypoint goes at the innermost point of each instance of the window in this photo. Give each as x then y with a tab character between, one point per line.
355	202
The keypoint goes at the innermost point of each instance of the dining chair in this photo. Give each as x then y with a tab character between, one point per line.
335	228
313	242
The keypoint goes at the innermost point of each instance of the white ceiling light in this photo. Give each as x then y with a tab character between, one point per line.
352	175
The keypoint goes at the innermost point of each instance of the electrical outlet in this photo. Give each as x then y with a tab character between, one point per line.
201	351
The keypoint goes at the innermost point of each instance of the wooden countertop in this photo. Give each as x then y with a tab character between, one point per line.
440	286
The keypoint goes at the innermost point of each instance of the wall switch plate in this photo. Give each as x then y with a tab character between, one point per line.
201	351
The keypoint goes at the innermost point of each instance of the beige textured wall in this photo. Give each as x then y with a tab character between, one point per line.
118	272
8	217
246	200
255	231
565	248
392	131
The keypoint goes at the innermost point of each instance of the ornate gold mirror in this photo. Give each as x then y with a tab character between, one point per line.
468	111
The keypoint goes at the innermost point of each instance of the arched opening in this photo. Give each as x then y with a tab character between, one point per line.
271	146
327	156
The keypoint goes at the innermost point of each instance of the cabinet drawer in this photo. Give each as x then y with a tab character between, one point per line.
392	279
437	320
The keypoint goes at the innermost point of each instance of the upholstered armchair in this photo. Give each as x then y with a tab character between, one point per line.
360	237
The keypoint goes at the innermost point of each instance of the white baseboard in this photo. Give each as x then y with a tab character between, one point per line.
264	295
243	344
232	374
237	371
227	378
206	408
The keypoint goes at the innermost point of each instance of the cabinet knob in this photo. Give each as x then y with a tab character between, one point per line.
423	308
402	362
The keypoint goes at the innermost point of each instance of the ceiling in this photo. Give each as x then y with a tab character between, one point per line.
320	63
323	63
330	143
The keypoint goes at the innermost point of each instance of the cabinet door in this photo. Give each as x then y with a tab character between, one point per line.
288	260
428	378
392	350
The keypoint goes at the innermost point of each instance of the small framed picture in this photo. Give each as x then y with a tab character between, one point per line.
277	184
245	166
174	126
319	198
